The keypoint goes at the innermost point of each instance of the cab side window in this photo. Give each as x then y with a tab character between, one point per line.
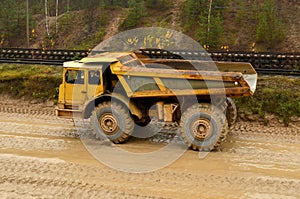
94	77
75	77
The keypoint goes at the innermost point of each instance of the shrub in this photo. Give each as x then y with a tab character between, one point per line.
275	95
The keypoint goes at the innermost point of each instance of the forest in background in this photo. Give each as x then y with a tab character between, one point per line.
258	25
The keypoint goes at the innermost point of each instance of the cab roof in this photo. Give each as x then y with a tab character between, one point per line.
96	60
104	57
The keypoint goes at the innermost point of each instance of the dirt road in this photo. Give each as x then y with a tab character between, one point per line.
42	157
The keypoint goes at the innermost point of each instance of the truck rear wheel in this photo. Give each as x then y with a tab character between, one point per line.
203	126
113	121
231	112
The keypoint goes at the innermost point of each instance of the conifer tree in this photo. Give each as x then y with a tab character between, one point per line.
270	29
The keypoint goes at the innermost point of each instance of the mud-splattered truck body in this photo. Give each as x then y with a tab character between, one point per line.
117	90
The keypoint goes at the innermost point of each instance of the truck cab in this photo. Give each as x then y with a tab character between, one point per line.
82	81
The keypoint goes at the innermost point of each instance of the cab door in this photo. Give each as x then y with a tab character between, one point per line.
95	83
75	86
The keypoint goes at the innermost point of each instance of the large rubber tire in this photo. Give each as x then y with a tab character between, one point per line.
231	112
111	120
203	127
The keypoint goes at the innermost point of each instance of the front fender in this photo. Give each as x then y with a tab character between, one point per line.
90	105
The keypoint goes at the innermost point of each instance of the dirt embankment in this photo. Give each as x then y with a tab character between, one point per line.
41	156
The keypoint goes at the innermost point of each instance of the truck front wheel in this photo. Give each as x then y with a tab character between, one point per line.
113	121
203	126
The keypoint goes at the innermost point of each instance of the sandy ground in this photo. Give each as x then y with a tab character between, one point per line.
41	156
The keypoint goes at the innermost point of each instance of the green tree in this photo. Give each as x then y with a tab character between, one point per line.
137	10
111	3
270	29
158	4
12	20
207	32
90	12
213	38
193	10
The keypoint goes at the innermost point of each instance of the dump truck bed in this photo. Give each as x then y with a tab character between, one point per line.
145	77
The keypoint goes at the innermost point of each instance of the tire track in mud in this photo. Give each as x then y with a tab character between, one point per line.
44	116
33	143
29	109
274	133
91	180
245	137
38	130
61	188
264	147
35	112
249	146
60	178
34	130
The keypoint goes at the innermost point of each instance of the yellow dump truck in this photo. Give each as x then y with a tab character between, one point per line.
119	90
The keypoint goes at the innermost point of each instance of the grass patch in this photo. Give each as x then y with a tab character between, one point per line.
30	81
279	96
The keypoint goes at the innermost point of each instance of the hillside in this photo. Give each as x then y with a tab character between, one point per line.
259	25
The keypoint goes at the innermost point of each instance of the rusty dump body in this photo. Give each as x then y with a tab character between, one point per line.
168	77
121	90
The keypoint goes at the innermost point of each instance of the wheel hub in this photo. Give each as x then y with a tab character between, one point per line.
109	124
202	129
